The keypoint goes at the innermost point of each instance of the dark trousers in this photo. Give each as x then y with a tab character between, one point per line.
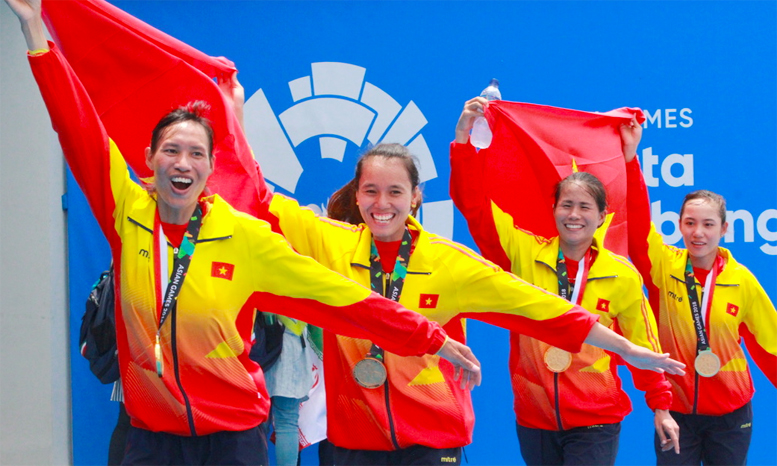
579	446
712	440
326	453
119	438
248	447
415	455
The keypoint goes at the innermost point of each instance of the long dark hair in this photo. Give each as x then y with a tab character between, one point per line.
342	205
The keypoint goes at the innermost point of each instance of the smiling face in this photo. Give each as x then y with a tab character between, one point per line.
181	165
577	218
702	229
385	197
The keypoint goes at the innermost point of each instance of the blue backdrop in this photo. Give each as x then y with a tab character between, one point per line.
704	72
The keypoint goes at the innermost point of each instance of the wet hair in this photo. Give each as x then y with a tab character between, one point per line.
707	196
342	205
195	111
590	183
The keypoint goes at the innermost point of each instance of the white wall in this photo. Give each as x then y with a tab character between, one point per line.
35	421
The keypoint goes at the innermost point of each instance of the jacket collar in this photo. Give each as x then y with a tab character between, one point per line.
726	277
217	222
419	262
602	267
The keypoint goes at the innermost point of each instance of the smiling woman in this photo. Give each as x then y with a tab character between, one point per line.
568	407
185	321
181	157
707	303
386	409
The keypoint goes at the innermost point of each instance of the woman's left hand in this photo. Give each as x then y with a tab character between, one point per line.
467	367
668	431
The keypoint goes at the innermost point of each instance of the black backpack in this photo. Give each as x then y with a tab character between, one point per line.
97	338
268	331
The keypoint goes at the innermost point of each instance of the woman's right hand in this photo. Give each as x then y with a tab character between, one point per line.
29	14
473	108
631	134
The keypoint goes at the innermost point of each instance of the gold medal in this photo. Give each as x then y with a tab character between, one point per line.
707	363
557	360
370	373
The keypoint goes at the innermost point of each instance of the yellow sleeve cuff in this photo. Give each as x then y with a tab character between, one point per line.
36	52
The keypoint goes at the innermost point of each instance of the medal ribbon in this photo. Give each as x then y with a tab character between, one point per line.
565	288
389	287
183	258
702	342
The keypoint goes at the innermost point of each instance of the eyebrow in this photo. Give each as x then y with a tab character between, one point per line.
371	185
177	145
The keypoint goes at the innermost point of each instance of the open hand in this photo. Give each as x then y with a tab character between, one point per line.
643	358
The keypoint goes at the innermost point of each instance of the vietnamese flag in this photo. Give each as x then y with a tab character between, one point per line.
223	270
535	146
135	74
428	301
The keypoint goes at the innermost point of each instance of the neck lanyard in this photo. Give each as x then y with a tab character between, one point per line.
381	283
556	359
564	286
698	312
180	266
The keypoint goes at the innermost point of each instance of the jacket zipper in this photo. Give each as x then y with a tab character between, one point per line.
695	391
189	414
392	429
558	403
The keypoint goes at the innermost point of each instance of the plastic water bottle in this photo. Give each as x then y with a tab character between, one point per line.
480	136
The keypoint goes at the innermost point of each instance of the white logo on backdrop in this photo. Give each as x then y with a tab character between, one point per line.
336	105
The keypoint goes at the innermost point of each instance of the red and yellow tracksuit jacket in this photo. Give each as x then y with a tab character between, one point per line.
420	404
209	383
740	310
589	392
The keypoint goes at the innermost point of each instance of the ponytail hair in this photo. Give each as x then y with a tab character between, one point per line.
342	205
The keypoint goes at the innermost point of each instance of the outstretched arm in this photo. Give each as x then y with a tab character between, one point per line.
637	356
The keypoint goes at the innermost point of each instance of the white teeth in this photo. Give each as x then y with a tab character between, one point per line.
573	227
178	179
383	217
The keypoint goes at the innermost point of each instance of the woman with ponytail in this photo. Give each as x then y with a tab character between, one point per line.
392	410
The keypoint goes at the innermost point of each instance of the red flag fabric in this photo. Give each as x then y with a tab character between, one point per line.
136	74
535	146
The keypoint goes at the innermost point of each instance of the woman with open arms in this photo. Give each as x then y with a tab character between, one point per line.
410	412
193	394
